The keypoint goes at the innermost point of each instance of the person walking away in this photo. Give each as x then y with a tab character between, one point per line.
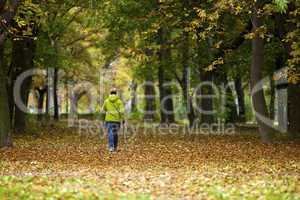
113	108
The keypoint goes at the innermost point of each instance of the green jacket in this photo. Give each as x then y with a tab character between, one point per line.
113	108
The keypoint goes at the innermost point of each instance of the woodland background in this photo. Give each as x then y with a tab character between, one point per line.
128	43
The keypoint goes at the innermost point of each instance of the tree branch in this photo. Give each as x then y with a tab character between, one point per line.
83	37
180	81
237	42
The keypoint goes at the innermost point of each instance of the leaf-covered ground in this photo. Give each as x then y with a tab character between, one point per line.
59	164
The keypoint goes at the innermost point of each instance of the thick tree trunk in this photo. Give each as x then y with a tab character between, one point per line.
169	106
55	95
161	81
241	99
150	106
23	54
185	82
206	104
9	85
294	109
20	116
258	98
5	128
293	91
166	101
280	62
11	100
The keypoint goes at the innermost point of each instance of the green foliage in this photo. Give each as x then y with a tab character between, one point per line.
282	5
68	39
81	37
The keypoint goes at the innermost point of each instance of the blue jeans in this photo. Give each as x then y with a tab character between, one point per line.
113	128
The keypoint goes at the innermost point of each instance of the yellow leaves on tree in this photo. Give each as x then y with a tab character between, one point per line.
213	66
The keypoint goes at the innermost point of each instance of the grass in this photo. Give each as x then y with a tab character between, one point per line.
28	188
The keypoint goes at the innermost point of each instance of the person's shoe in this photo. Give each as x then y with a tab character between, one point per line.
111	150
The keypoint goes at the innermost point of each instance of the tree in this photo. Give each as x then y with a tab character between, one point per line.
293	48
23	54
7	13
184	81
5	129
241	99
258	98
65	38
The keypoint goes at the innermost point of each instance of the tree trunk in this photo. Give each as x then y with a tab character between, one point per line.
47	106
282	27
169	106
204	103
280	61
150	106
185	82
11	100
161	81
231	108
23	54
74	105
166	101
272	99
6	16
47	109
5	128
207	107
67	99
258	98
294	109
41	97
133	96
9	85
241	99
50	94
55	95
